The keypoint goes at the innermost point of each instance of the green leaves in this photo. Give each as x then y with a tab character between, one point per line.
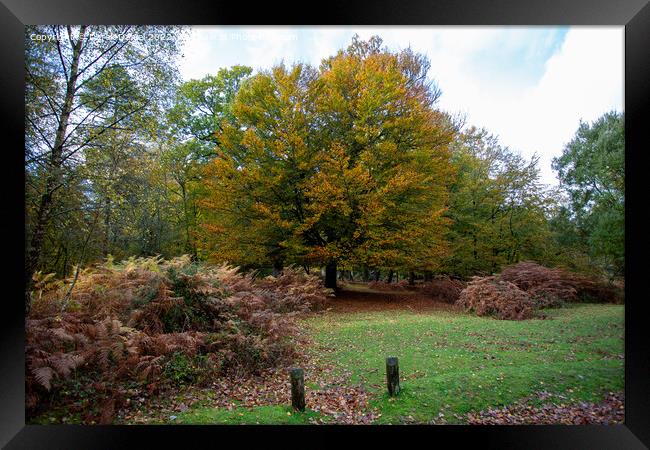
497	206
201	105
592	171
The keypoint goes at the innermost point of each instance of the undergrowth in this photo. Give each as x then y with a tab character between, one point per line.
521	289
146	325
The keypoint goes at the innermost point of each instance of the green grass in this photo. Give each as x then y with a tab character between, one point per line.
259	415
452	363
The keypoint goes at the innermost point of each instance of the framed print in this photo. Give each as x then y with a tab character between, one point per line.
381	218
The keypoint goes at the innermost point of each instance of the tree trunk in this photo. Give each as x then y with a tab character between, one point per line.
54	176
366	274
377	274
412	278
330	275
428	276
107	228
389	278
278	266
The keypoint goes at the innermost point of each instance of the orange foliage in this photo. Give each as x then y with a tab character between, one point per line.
129	323
490	296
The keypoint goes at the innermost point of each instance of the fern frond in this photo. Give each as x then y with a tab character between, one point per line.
44	375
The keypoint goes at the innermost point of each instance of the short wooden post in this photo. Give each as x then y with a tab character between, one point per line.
392	375
298	389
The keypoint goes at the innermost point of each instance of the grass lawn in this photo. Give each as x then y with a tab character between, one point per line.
259	415
452	363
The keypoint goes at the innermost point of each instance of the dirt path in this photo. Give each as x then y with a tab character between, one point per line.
353	298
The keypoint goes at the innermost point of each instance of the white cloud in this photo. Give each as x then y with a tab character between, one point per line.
583	80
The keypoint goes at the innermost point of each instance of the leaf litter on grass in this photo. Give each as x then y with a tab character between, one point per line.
336	399
611	410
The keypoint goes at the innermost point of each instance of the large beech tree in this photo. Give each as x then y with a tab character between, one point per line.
349	163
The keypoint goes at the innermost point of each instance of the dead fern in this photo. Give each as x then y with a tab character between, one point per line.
126	323
555	286
490	296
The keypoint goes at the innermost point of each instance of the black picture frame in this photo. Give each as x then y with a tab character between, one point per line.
633	14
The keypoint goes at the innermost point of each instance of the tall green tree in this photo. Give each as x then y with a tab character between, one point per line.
498	206
592	171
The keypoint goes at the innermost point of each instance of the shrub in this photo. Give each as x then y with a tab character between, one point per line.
541	286
296	291
184	323
443	288
552	287
552	294
489	296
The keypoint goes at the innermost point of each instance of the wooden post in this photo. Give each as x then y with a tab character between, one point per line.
298	389
392	375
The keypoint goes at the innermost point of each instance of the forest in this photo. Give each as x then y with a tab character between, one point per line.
258	197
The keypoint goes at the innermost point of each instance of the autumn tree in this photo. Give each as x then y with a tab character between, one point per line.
389	159
347	164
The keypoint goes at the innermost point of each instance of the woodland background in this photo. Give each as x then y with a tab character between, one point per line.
349	166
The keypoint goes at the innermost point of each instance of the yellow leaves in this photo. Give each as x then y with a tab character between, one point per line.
319	254
333	164
402	180
252	141
212	228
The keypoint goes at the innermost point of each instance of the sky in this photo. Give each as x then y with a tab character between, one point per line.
530	86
